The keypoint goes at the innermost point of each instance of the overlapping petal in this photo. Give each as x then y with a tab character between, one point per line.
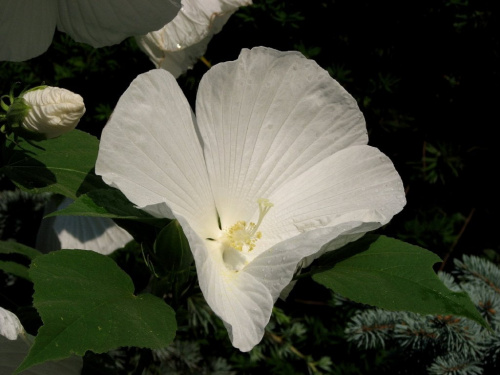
269	125
27	27
358	183
180	43
240	299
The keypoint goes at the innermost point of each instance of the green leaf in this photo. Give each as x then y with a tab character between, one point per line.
86	302
12	247
15	269
392	275
63	165
109	203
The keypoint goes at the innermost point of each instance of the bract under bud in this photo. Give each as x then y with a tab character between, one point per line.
51	111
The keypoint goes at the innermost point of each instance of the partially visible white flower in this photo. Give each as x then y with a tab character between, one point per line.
10	326
27	27
180	43
51	111
273	169
15	344
98	234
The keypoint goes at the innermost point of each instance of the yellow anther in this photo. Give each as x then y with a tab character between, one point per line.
242	236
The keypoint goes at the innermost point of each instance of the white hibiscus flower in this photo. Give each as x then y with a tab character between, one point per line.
180	43
27	27
273	169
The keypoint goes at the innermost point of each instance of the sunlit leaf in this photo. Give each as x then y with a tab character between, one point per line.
392	275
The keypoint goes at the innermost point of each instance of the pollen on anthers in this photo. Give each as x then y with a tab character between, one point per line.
242	236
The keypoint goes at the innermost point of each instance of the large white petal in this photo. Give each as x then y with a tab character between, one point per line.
106	22
354	191
98	234
149	150
15	344
358	183
241	300
26	28
180	43
266	118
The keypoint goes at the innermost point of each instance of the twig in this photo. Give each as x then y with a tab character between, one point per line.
294	350
459	235
308	302
424	163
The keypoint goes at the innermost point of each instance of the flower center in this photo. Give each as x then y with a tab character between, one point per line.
237	241
242	236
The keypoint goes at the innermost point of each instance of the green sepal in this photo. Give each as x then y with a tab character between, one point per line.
172	249
171	261
16	113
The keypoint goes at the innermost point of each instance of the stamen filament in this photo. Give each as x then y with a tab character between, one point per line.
264	207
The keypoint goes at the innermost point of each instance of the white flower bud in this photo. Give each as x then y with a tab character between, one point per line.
52	111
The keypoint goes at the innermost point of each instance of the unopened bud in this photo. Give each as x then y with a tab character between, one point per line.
51	111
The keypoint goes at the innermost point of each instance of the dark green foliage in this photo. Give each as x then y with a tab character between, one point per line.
433	229
20	212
